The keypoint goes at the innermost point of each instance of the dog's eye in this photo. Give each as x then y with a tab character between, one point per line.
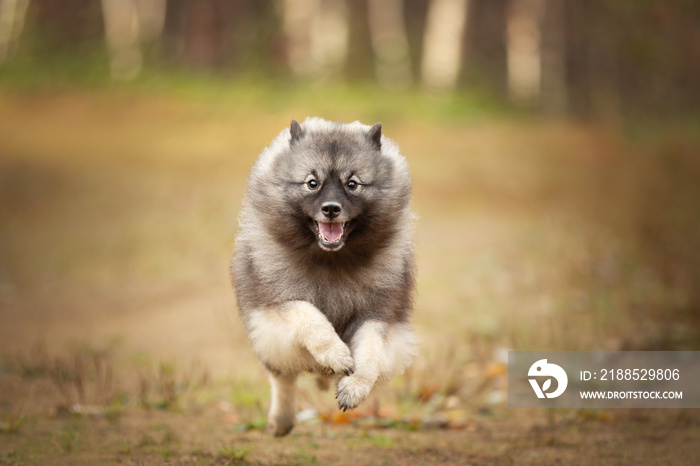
352	185
312	184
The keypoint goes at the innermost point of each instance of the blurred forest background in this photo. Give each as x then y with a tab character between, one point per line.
595	58
555	153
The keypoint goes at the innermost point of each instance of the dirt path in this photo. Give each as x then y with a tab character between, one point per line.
119	338
212	433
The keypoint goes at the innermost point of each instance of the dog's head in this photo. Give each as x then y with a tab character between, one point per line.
336	187
339	174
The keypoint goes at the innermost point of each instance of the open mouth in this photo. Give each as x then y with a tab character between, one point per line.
330	234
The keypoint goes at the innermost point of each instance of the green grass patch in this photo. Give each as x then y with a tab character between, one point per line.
381	441
235	454
335	100
14	420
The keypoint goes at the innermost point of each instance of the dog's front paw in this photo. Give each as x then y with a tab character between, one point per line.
353	390
333	355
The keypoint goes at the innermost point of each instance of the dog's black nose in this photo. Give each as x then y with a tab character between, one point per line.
331	209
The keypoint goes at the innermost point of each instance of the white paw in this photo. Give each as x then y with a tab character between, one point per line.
333	355
353	390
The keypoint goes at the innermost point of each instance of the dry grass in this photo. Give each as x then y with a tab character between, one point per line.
117	216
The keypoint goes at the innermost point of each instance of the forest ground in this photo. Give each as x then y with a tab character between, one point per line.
120	340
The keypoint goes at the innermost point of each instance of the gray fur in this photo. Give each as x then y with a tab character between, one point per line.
279	257
271	268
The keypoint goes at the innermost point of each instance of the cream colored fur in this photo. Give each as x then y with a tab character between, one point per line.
381	351
281	417
296	337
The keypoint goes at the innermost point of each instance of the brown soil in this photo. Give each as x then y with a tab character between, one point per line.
119	332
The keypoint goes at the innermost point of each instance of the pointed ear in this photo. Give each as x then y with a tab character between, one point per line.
375	136
296	131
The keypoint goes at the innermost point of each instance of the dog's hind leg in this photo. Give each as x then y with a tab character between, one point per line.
381	351
282	414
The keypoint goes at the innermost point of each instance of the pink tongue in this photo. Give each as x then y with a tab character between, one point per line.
331	232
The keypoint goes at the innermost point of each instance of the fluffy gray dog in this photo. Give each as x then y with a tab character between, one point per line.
323	264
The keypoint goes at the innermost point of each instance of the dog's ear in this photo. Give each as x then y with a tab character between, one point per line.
295	131
375	136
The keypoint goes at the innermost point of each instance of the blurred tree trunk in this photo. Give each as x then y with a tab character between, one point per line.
12	16
129	25
173	44
241	35
317	36
390	43
297	17
553	98
596	58
576	77
592	61
524	51
203	31
122	33
195	32
485	45
329	37
442	44
151	14
360	64
259	43
603	62
73	26
415	13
